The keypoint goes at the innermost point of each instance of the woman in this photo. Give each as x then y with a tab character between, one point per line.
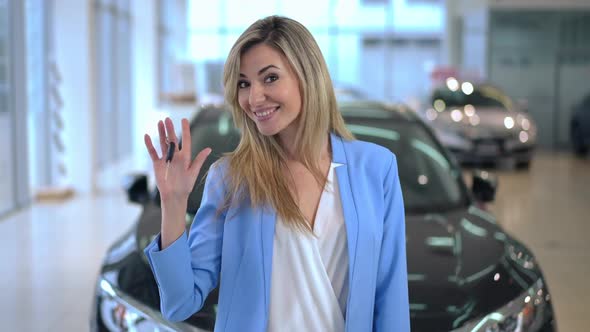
301	226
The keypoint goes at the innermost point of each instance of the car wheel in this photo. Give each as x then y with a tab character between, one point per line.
581	150
523	165
578	145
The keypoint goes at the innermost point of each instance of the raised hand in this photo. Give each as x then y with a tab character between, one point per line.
183	170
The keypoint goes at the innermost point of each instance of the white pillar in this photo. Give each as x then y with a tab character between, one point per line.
19	134
73	27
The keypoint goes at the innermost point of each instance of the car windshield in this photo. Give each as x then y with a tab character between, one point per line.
480	97
430	182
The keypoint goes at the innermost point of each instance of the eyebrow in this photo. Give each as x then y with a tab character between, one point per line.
261	71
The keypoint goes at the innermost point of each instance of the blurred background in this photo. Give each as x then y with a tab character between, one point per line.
81	81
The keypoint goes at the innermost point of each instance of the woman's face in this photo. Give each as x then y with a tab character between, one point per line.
268	91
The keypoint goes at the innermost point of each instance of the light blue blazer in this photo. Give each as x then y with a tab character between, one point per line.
234	248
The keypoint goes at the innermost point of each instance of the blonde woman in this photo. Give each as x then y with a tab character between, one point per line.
302	226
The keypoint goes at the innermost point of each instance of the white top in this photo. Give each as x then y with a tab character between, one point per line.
309	282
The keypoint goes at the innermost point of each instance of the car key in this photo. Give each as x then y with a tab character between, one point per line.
169	155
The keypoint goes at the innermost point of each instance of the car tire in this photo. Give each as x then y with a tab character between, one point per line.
580	149
523	165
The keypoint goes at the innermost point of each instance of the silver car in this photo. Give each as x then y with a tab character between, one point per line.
480	124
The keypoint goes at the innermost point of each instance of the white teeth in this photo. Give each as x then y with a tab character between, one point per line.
265	113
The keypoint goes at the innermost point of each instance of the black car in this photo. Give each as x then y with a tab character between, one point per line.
580	127
464	272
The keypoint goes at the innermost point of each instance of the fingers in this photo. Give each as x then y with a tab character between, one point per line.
170	131
150	147
162	133
197	163
186	137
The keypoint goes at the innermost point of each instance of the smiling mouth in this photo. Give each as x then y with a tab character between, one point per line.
266	113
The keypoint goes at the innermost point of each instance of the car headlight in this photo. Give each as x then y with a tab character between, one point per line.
520	255
120	312
122	249
524	313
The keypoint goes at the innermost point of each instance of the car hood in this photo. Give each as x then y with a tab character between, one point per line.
461	265
489	123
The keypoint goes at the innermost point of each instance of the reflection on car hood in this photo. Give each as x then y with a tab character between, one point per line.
459	267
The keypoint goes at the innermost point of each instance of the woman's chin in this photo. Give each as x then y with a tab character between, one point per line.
267	130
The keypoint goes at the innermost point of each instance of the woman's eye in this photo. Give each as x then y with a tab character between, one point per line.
271	78
242	85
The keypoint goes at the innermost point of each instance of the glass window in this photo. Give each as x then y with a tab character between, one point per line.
238	16
318	18
206	47
200	19
339	27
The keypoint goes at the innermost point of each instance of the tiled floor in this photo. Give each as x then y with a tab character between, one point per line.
51	252
50	258
548	208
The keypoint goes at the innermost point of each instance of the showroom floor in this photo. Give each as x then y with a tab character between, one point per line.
52	252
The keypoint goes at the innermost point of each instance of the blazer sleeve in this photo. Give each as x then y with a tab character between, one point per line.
392	312
188	270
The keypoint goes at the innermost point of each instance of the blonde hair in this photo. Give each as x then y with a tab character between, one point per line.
255	167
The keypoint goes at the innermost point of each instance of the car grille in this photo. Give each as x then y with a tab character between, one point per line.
489	146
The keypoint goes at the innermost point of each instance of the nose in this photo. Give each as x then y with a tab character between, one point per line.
257	95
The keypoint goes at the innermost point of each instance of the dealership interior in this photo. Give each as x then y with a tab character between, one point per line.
495	103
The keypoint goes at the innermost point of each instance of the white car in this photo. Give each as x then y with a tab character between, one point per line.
480	124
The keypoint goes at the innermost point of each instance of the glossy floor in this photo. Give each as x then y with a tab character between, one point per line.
51	252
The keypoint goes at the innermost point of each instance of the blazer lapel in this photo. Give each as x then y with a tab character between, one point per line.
348	206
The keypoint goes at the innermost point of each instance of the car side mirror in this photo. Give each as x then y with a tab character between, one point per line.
136	186
484	186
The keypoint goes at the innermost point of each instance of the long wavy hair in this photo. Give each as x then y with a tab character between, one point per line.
254	168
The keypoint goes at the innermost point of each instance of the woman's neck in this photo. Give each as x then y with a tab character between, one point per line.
288	145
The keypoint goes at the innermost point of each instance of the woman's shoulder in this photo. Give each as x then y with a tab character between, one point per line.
218	171
369	156
220	165
357	148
